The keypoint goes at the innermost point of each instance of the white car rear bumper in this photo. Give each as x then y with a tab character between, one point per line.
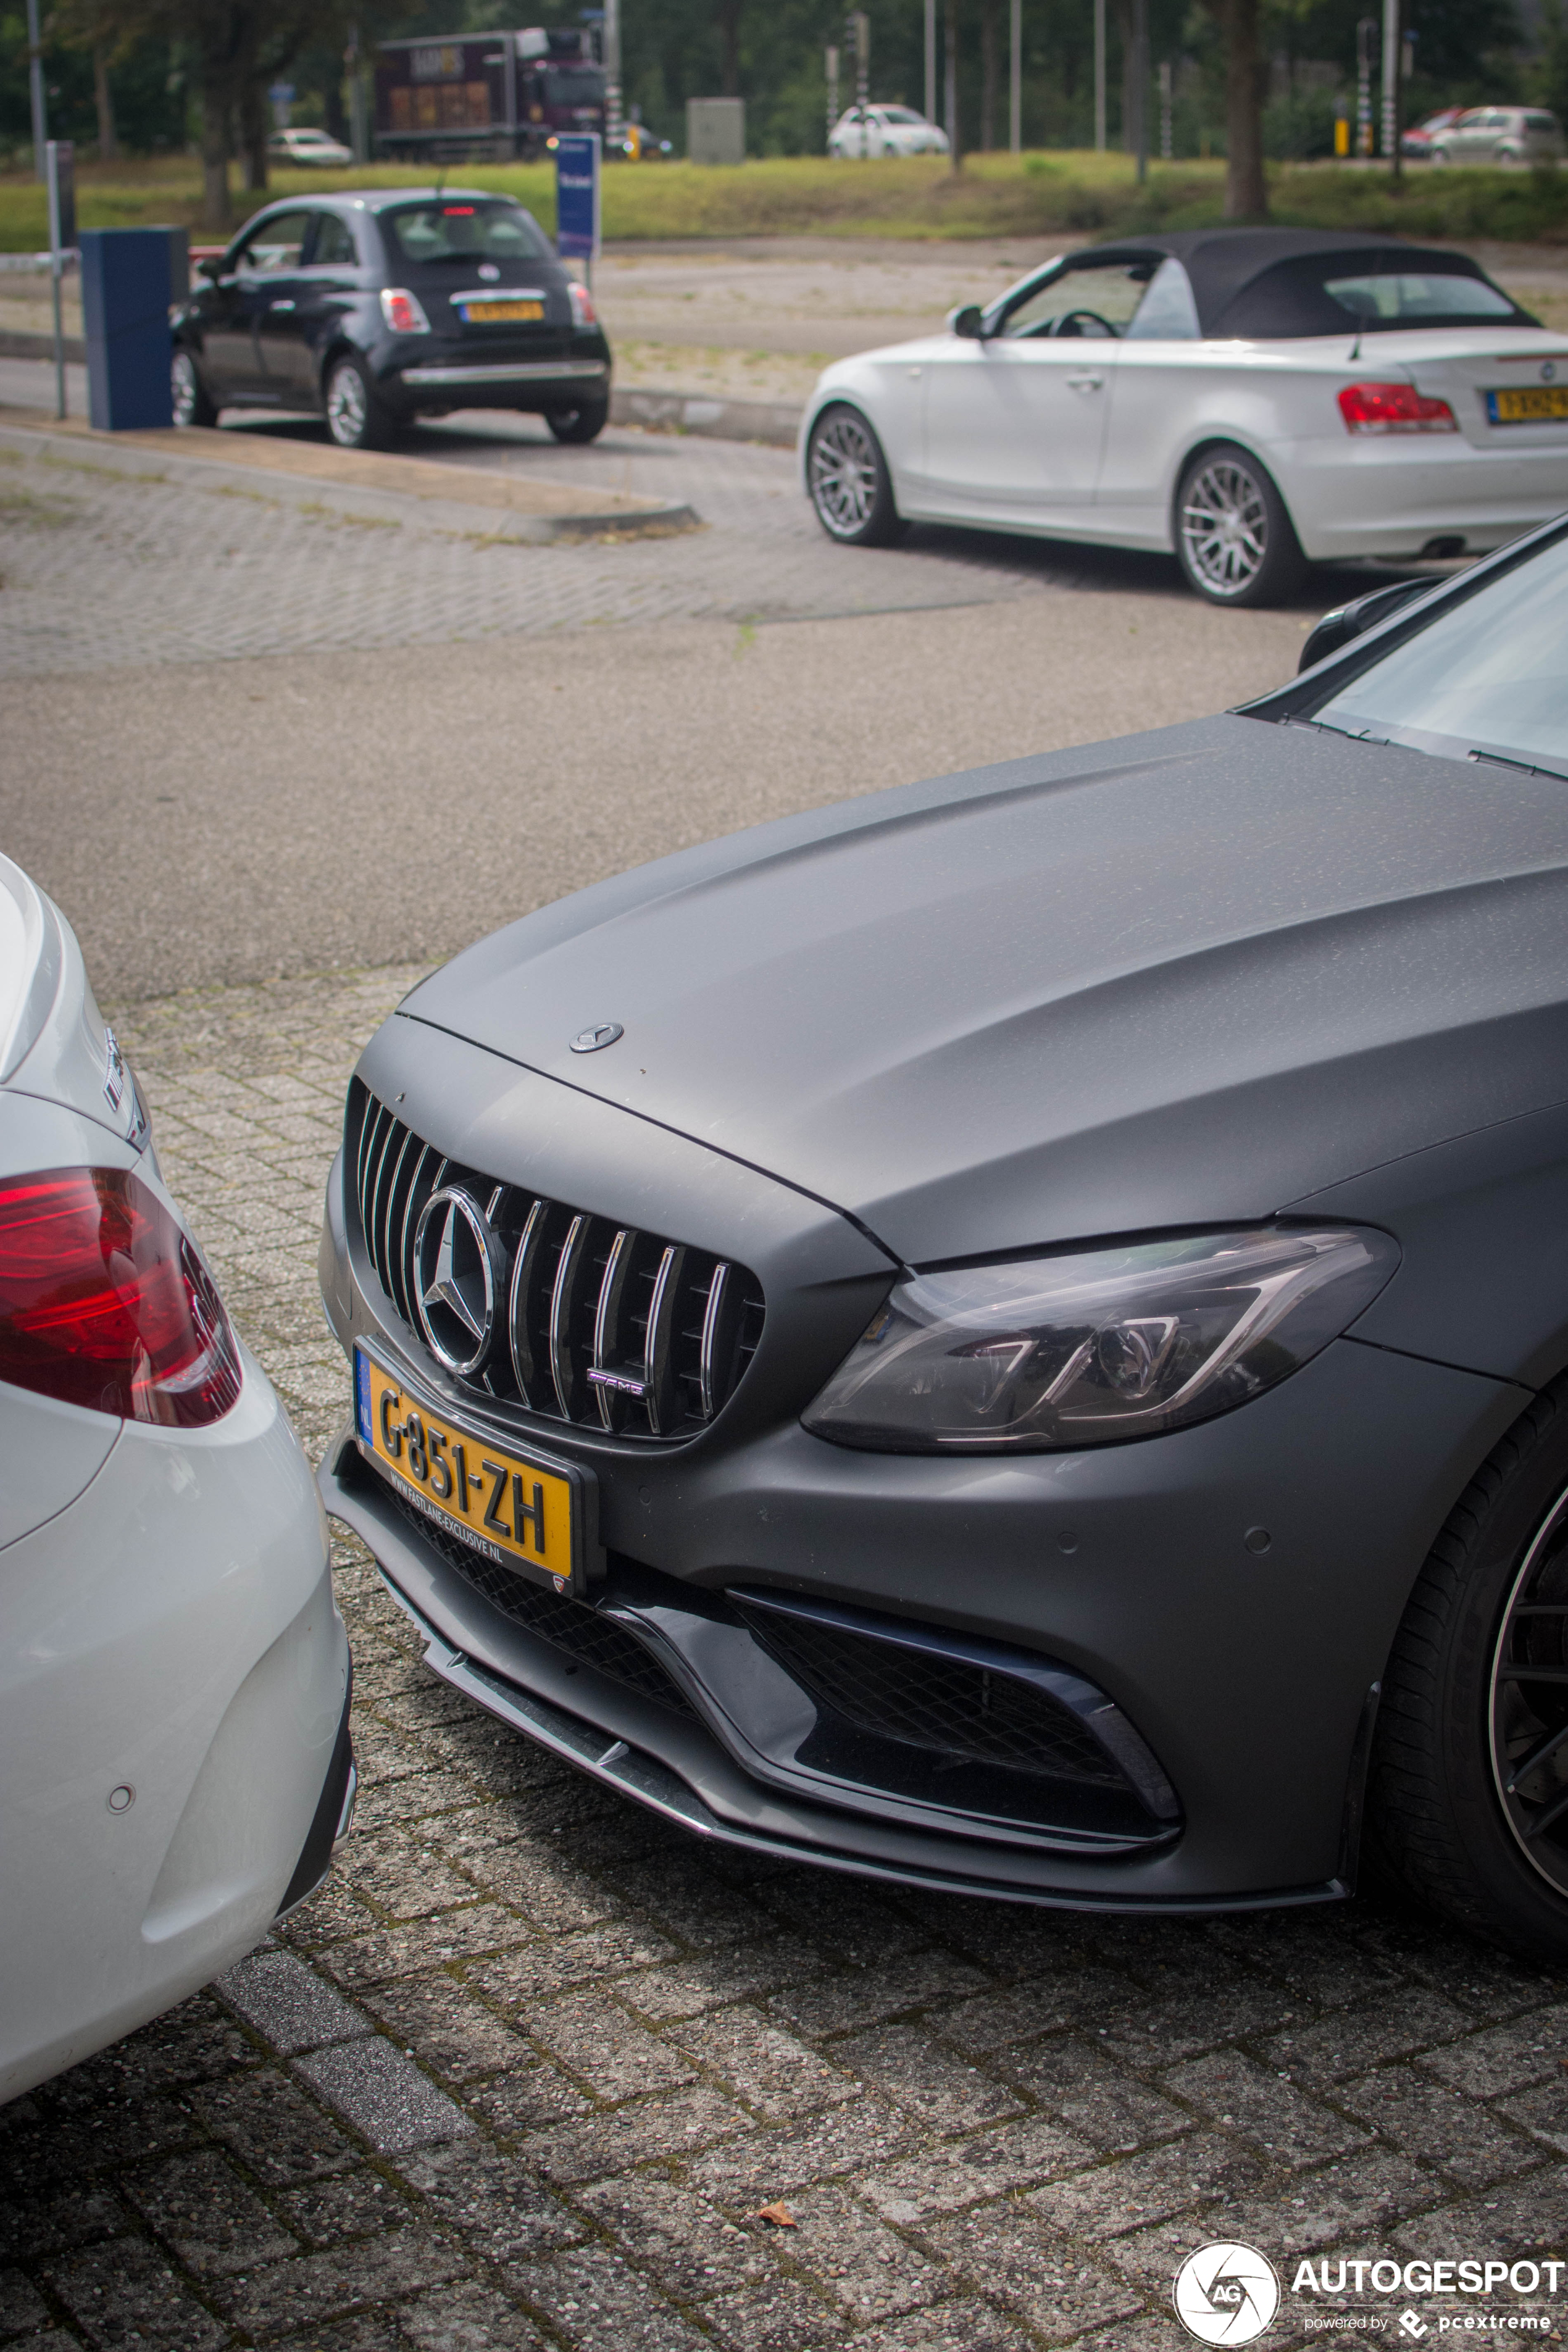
174	1682
1391	496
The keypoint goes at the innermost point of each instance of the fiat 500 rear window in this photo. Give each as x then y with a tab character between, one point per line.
458	231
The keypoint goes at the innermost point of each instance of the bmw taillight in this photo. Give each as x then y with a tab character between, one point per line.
105	1302
583	311
1394	408
404	312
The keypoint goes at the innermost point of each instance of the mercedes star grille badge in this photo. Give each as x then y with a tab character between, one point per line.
602	1033
459	1270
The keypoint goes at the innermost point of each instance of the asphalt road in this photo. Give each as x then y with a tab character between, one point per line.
508	725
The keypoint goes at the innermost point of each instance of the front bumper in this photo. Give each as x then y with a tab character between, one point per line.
172	1634
1245	1670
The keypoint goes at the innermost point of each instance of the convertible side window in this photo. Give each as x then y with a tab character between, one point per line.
1167	314
1096	300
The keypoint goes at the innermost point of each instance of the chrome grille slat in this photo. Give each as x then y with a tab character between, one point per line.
676	1325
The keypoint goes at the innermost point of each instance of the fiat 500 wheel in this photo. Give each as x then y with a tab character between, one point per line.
848	478
355	418
1469	1796
191	402
1234	539
584	421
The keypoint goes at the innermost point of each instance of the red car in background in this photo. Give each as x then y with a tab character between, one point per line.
1417	142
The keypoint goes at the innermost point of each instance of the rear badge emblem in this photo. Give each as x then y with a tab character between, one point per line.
1549	372
489	272
602	1033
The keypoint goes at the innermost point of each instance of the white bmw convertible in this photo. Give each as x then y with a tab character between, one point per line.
1253	400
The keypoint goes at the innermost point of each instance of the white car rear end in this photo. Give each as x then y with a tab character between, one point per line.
174	1760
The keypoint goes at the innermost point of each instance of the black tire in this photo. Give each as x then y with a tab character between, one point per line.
848	480
355	416
1451	1813
192	403
1235	539
585	422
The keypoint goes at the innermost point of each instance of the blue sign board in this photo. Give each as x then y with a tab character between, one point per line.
577	196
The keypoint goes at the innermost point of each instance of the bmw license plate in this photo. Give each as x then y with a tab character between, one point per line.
485	314
521	1510
1530	404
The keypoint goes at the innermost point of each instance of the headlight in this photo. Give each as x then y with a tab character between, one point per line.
1095	1344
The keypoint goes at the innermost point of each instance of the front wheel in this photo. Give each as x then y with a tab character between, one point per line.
1468	1794
192	405
584	421
356	417
1234	539
848	478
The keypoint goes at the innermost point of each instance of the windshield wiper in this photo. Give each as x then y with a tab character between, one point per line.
1520	767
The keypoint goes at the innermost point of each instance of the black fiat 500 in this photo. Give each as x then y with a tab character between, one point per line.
378	307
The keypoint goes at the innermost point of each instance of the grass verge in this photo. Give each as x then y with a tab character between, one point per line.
1038	195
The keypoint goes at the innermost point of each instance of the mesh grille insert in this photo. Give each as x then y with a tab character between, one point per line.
592	1322
569	1626
945	1705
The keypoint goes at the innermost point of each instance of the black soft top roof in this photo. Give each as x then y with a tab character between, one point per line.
1262	281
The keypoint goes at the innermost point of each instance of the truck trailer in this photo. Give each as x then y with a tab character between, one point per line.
492	97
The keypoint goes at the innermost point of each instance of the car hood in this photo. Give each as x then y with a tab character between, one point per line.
1183	978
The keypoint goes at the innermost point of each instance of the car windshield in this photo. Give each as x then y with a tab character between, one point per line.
1486	679
463	230
902	114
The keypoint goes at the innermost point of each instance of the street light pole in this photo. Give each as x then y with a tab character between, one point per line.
930	60
1099	77
1016	82
1139	89
35	90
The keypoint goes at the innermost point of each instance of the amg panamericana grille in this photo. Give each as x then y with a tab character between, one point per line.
600	1324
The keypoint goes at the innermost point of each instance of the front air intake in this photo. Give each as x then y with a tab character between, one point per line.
585	1321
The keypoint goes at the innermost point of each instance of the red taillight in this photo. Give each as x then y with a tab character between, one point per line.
583	311
404	312
1394	408
105	1302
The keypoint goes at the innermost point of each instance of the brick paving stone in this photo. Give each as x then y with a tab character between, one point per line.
54	2218
528	2096
344	2205
403	1876
1373	2191
1005	2250
779	2316
1532	2049
1269	2111
345	2278
963	2325
289	2003
1542	2112
125	2294
533	1971
944	2093
857	1996
275	2132
489	2200
673	2126
457	2036
605	2049
383	2094
1388	2024
712	1981
600	2304
1092	2095
465	2318
380	1958
868	2269
963	2172
1023	2012
744	2173
1438	2127
772	2071
1522	2220
202	2210
691	2247
22	2308
1107	2199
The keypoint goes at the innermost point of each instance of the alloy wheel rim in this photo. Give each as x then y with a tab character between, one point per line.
843	476
345	405
1529	1702
184	388
1225	527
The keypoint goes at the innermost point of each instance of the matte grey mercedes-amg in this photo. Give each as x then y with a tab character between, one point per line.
1012	1335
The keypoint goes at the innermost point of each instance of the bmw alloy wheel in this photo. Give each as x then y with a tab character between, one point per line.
1529	1710
844	474
1224	527
347	409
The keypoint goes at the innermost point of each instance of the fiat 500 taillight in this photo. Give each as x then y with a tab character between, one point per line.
105	1302
1394	408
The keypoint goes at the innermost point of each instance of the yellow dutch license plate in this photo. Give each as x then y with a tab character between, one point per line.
485	314
1532	403
513	1508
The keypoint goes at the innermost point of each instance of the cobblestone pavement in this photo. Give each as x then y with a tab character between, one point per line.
527	2070
108	562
